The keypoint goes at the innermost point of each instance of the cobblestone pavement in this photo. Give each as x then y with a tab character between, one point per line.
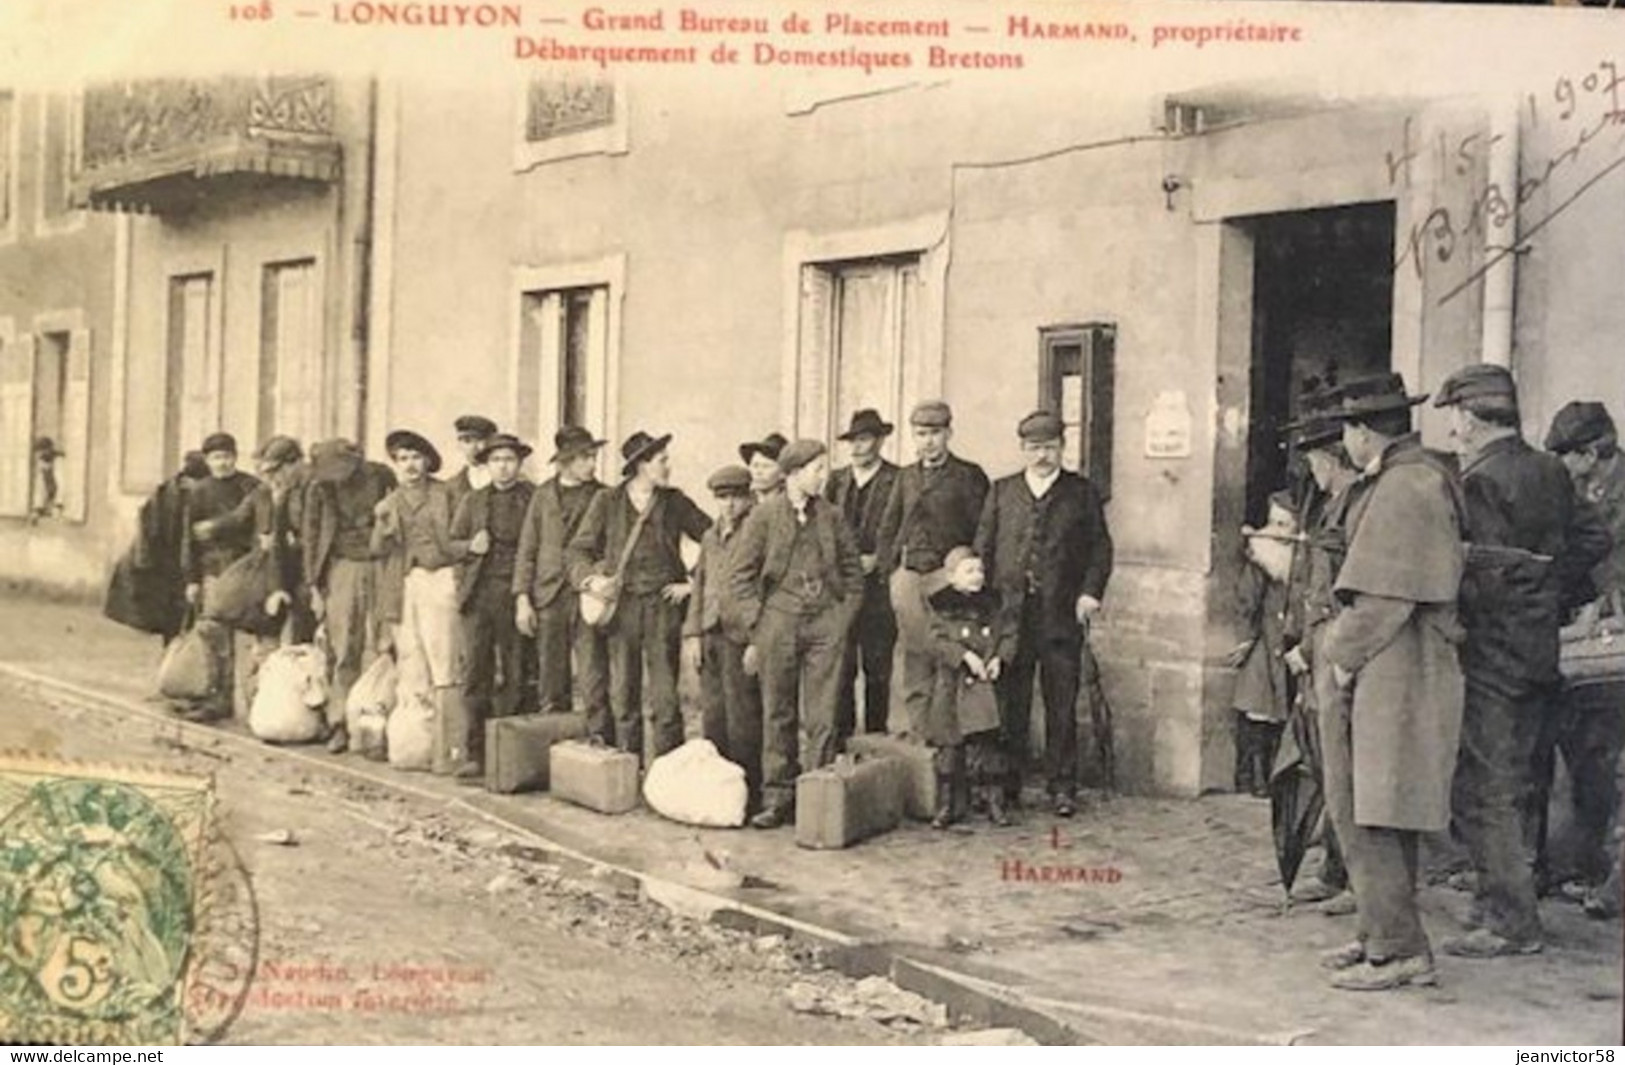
1178	918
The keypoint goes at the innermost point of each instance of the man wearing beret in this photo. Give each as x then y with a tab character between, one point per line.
344	576
731	698
796	586
1043	538
860	491
933	507
474	431
629	548
1512	606
571	652
496	656
217	532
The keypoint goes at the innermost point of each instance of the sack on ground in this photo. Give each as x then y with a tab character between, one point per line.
696	786
237	597
410	733
187	671
291	693
367	707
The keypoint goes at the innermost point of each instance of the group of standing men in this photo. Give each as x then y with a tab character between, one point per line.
1434	591
497	595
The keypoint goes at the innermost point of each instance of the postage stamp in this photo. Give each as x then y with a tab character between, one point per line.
105	899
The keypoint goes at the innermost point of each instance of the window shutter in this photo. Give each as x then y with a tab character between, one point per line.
73	477
814	344
1101	397
550	325
16	426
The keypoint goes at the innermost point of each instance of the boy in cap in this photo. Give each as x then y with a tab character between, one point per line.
860	491
1043	537
474	431
761	458
345	577
934	506
795	589
216	533
628	550
731	698
496	655
573	662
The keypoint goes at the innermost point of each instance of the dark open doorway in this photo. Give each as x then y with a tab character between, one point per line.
1322	314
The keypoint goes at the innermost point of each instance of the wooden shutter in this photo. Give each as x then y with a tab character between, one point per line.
199	361
73	473
16	426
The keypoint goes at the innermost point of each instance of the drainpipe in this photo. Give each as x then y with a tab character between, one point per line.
360	334
1500	281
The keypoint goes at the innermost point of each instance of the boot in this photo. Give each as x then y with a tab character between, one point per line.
1246	762
949	763
996	811
1268	739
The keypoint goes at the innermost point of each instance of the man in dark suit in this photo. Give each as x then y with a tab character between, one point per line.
796	586
492	520
860	492
572	653
1044	540
933	508
215	534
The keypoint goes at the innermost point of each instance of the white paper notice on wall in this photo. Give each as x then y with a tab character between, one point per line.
1168	427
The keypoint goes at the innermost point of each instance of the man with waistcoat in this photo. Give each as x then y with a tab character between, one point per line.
1044	541
933	507
571	652
796	587
650	584
860	492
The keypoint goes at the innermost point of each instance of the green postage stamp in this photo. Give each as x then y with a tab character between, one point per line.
104	887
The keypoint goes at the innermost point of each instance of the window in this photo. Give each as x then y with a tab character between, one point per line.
859	343
60	154
562	118
563	359
8	165
292	367
45	394
1076	380
193	366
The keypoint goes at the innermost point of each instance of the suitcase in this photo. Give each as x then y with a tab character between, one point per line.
519	750
850	801
599	778
920	801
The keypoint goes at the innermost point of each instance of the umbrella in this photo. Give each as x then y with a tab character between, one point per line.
1297	797
1100	719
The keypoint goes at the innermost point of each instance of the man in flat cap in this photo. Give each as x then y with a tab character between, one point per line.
474	431
1513	602
1392	651
274	510
217	532
574	666
629	549
796	586
860	492
497	659
344	576
761	458
933	507
731	698
1043	539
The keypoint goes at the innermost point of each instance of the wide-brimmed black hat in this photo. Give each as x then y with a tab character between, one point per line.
1313	428
1377	394
1579	424
500	442
639	447
867	422
572	440
769	445
406	439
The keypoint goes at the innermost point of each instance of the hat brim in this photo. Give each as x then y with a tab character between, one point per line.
880	432
754	448
1382	405
572	452
649	450
410	441
484	454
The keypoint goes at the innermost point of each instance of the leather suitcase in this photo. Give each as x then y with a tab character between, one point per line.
920	801
850	801
519	750
599	778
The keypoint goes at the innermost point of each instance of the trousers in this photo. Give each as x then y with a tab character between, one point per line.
800	666
646	634
874	641
1057	662
915	666
495	663
574	664
1586	725
731	714
352	627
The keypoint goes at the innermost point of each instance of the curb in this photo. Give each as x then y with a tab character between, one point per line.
985	1002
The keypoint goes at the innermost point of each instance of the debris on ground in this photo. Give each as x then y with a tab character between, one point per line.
280	837
989	1037
874	998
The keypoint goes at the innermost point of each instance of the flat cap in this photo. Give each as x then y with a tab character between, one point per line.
1041	426
334	460
1578	424
1480	381
798	454
932	414
729	481
219	442
278	451
476	425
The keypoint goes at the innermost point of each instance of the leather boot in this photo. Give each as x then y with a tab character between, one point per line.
996	811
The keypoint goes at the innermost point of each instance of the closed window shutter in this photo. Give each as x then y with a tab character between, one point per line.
16	426
74	471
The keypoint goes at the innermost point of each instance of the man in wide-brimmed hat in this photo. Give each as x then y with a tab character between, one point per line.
1392	651
761	458
860	491
345	578
474	431
498	659
796	586
574	669
628	550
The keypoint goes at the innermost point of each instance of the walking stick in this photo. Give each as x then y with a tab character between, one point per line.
1100	718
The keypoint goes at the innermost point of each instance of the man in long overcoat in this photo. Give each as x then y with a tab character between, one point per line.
1393	650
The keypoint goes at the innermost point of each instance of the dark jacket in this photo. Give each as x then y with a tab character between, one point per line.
372	480
1073	559
762	555
147	590
472	515
865	525
979	623
940	513
706	603
218	501
541	571
596	548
